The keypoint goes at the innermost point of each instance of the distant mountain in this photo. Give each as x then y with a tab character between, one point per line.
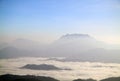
12	52
22	44
21	48
95	55
81	41
42	67
3	45
82	47
73	44
27	44
74	36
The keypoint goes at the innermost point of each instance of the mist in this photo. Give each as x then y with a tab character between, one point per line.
83	70
75	47
60	40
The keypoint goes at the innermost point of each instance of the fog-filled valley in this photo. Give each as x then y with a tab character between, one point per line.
63	71
71	57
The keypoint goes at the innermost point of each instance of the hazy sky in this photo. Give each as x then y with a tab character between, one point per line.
47	20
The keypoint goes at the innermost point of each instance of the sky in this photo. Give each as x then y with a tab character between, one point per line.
47	20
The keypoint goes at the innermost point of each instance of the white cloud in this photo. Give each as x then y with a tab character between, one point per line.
80	69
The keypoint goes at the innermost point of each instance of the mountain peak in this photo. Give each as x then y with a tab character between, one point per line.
68	36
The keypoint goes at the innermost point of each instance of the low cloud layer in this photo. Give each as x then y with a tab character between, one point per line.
84	70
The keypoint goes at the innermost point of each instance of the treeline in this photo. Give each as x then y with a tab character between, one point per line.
10	77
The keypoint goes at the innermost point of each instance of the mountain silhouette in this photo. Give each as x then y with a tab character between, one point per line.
84	80
10	77
111	79
42	67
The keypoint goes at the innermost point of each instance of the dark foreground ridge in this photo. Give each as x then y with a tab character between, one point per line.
42	67
10	77
85	80
112	79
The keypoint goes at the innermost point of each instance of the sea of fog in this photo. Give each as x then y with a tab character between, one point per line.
83	70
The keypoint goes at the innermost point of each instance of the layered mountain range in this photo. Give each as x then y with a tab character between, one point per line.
75	47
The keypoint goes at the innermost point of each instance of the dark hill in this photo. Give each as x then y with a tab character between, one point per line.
84	80
112	79
42	67
10	77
